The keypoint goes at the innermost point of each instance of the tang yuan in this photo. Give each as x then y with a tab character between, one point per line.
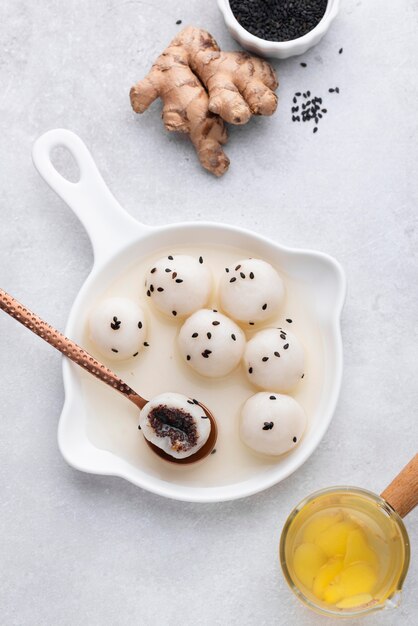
117	327
272	423
274	359
176	424
251	291
179	284
211	343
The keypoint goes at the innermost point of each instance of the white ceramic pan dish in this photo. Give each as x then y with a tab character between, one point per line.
119	242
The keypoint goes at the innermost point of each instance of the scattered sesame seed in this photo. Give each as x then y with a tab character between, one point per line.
209	335
178	22
273	398
146	344
200	259
204	417
331	90
151	288
285	347
174	313
179	280
295	439
237	268
268	425
154	269
139	426
265	358
136	354
213	451
174	275
190	401
289	321
303	64
250	370
242	274
214	310
160	289
206	353
282	336
251	323
167	269
114	350
195	401
277	354
170	257
340	51
264	307
233	279
227	270
139	324
315	130
195	335
149	293
302	375
251	275
233	337
215	323
337	90
188	357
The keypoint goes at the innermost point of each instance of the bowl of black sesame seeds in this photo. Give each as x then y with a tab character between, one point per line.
278	28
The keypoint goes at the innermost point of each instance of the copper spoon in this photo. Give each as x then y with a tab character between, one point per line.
71	350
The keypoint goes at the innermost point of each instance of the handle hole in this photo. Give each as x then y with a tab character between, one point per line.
65	164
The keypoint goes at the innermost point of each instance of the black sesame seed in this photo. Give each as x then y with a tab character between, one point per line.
174	275
139	324
204	417
298	94
337	90
178	22
114	350
139	427
331	90
265	358
195	401
303	64
288	320
115	324
277	354
200	259
151	287
251	275
268	425
251	323
170	257
237	268
285	347
160	289
282	336
250	370
264	307
154	269
294	101
213	451
190	401
242	274
149	293
227	270
233	279
273	398
302	375
233	337
215	323
209	335
188	357
195	335
174	313
315	130
214	310
167	269
146	344
179	280
136	354
295	439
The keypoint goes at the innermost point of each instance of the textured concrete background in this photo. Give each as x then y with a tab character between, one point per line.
87	550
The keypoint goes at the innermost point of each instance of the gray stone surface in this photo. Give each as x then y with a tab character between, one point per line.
87	550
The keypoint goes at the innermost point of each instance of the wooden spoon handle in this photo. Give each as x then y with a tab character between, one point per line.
67	347
402	493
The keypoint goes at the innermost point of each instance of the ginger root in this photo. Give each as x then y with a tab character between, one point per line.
201	86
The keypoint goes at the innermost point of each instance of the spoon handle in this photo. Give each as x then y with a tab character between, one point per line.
67	347
402	493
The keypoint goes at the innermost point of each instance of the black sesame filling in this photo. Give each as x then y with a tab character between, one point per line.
176	424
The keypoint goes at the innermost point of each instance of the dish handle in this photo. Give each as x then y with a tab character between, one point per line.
108	226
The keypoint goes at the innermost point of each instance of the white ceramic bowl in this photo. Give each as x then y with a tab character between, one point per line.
278	49
119	242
